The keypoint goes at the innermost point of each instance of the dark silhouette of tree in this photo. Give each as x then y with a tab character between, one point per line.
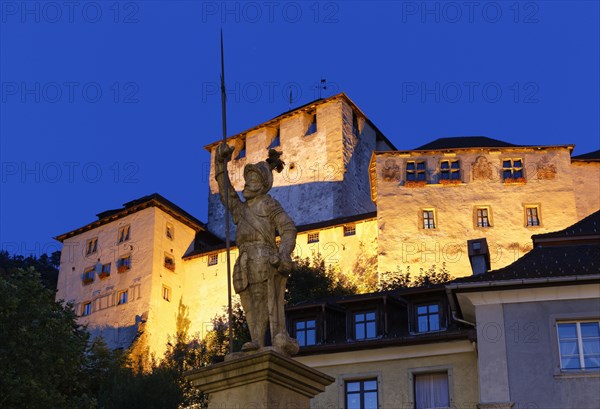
42	348
46	265
392	280
312	280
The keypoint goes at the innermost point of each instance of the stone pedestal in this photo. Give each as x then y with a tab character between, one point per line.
261	380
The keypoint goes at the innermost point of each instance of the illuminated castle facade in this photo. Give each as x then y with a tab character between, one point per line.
149	268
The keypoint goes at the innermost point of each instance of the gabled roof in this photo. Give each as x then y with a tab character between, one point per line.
588	157
307	107
153	200
464	142
586	228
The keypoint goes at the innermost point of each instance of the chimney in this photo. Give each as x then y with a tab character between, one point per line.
479	255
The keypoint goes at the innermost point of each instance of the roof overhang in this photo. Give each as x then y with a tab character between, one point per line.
306	108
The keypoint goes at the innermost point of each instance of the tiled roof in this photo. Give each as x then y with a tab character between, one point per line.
546	262
588	226
134	206
588	157
465	142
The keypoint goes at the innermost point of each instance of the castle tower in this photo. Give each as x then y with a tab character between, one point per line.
326	144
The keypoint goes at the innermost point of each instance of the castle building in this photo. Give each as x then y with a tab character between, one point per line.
150	269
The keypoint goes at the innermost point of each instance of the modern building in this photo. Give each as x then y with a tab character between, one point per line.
538	323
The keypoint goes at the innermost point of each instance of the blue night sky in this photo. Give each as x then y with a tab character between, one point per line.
103	102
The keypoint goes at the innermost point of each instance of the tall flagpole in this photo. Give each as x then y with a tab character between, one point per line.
226	194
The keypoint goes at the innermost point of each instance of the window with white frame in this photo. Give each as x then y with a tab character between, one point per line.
213	259
431	390
482	217
365	325
450	170
428	317
428	219
123	234
579	345
306	332
415	171
532	216
91	246
361	394
312	237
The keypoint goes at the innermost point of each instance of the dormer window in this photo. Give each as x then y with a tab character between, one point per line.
428	317
312	128
306	332
365	325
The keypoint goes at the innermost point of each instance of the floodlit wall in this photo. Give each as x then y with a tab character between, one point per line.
403	239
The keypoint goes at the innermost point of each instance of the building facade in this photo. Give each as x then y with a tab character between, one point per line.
538	323
150	269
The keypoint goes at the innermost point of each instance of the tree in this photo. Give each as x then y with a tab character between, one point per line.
42	348
392	280
311	280
47	266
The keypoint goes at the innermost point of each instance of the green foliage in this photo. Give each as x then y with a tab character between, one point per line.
311	280
392	280
46	265
42	349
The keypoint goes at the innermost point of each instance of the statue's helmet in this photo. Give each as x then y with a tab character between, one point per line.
264	171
